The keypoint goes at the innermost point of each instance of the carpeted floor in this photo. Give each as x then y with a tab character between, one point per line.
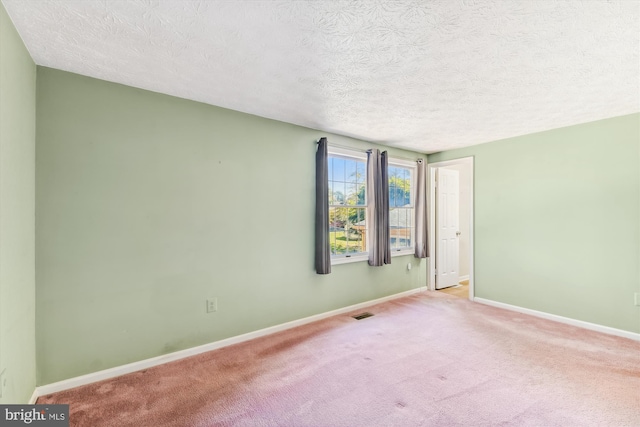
425	360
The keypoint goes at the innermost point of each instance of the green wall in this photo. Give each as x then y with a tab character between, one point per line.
556	221
17	211
148	204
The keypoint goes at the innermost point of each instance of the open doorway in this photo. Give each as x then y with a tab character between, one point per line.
451	227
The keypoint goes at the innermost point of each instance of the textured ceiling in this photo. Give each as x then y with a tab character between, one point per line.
423	75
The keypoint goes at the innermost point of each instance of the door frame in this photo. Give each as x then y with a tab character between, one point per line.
431	197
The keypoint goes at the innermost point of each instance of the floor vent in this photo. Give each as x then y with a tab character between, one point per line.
362	316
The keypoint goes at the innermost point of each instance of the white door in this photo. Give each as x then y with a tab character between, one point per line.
447	227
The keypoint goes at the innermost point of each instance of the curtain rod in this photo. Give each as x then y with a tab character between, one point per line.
364	151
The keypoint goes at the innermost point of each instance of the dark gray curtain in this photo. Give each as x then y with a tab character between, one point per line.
384	217
378	208
422	234
323	251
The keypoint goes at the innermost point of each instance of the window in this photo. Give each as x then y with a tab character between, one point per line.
401	206
347	203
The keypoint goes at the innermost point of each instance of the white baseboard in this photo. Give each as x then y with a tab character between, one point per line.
166	358
461	278
579	323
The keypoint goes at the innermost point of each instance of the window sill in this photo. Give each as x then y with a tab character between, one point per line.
359	258
403	253
349	260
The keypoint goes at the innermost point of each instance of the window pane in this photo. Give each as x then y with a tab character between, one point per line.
331	195
399	186
393	217
331	167
347	194
347	230
392	193
360	172
350	170
338	169
357	230
393	227
336	230
352	194
407	192
401	212
407	229
400	227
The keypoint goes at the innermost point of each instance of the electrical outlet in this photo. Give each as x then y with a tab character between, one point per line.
636	298
212	305
3	381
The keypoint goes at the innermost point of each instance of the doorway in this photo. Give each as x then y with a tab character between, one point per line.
451	227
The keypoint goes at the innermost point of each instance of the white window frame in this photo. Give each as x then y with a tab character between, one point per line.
414	171
346	153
